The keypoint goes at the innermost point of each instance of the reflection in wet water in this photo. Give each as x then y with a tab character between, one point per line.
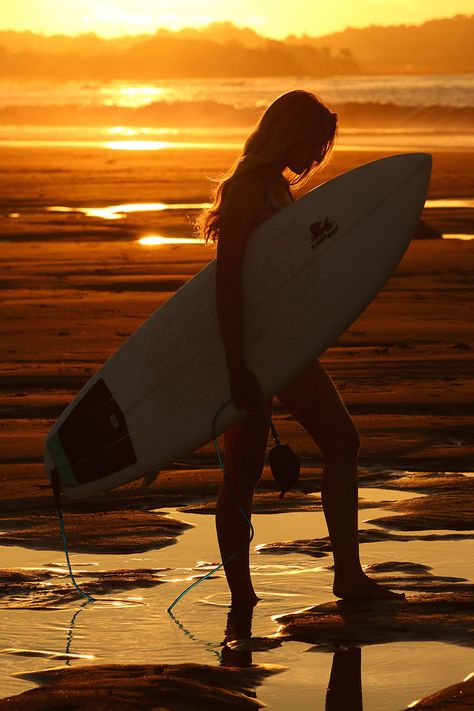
452	202
134	633
120	145
169	145
153	240
133	96
120	212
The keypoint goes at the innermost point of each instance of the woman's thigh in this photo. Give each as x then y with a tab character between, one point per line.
246	444
314	401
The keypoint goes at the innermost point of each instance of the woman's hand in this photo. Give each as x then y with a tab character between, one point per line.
245	389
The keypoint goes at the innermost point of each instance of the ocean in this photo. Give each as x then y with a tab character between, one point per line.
158	142
402	90
383	112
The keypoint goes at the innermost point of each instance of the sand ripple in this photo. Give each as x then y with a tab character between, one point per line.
139	686
446	617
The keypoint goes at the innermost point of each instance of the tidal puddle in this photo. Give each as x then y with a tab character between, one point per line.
120	212
450	202
134	627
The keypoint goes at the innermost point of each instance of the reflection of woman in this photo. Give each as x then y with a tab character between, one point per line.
294	135
239	627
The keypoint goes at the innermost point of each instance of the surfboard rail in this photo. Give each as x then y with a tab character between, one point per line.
309	271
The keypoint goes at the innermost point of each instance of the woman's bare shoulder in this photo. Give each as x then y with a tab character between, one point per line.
245	189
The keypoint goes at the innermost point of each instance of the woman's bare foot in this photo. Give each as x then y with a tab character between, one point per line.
363	588
244	602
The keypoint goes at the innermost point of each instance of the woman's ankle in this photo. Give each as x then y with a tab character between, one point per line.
247	600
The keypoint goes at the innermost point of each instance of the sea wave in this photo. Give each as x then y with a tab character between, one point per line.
352	114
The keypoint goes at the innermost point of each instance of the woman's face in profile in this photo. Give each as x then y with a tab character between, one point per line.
301	155
304	152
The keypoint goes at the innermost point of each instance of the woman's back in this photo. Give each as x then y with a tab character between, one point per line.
255	193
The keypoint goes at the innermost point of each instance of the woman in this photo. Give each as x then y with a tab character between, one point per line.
292	139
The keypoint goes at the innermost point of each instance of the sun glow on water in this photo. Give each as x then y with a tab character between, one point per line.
451	203
137	145
154	240
160	145
144	130
132	97
120	212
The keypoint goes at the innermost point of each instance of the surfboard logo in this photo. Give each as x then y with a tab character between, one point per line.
321	231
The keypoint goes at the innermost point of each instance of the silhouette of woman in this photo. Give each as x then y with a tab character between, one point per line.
291	140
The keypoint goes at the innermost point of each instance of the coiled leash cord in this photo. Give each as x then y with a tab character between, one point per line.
229	481
56	492
285	469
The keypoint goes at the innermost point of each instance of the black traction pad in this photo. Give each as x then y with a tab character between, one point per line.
95	436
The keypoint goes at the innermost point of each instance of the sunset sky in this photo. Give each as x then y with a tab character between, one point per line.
272	18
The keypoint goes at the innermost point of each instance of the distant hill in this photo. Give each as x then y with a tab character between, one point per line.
165	55
437	46
221	32
223	50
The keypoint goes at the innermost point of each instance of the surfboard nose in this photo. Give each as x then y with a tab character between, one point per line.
412	162
410	172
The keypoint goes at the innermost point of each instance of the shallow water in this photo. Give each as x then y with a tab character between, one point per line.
121	212
355	140
404	89
137	629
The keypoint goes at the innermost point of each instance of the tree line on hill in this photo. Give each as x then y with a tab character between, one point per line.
223	50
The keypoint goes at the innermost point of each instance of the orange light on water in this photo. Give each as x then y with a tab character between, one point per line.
451	202
132	96
144	130
160	145
154	240
137	145
120	212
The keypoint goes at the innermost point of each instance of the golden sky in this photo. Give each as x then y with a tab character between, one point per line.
273	18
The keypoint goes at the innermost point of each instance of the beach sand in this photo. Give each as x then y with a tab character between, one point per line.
74	287
402	368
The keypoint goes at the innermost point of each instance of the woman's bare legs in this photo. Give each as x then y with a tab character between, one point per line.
313	400
245	448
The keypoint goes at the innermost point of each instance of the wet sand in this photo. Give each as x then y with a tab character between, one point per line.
74	287
403	368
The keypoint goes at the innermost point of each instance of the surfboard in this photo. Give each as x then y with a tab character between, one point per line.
309	271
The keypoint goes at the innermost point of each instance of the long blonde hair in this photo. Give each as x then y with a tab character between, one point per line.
291	117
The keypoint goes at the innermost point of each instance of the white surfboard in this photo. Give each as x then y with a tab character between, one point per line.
309	272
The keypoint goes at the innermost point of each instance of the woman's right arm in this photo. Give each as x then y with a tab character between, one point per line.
238	217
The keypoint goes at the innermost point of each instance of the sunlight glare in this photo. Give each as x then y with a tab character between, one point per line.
120	212
123	131
153	240
451	202
160	145
135	130
132	97
137	145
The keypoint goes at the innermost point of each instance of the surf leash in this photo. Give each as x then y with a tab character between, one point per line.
57	501
229	481
285	469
